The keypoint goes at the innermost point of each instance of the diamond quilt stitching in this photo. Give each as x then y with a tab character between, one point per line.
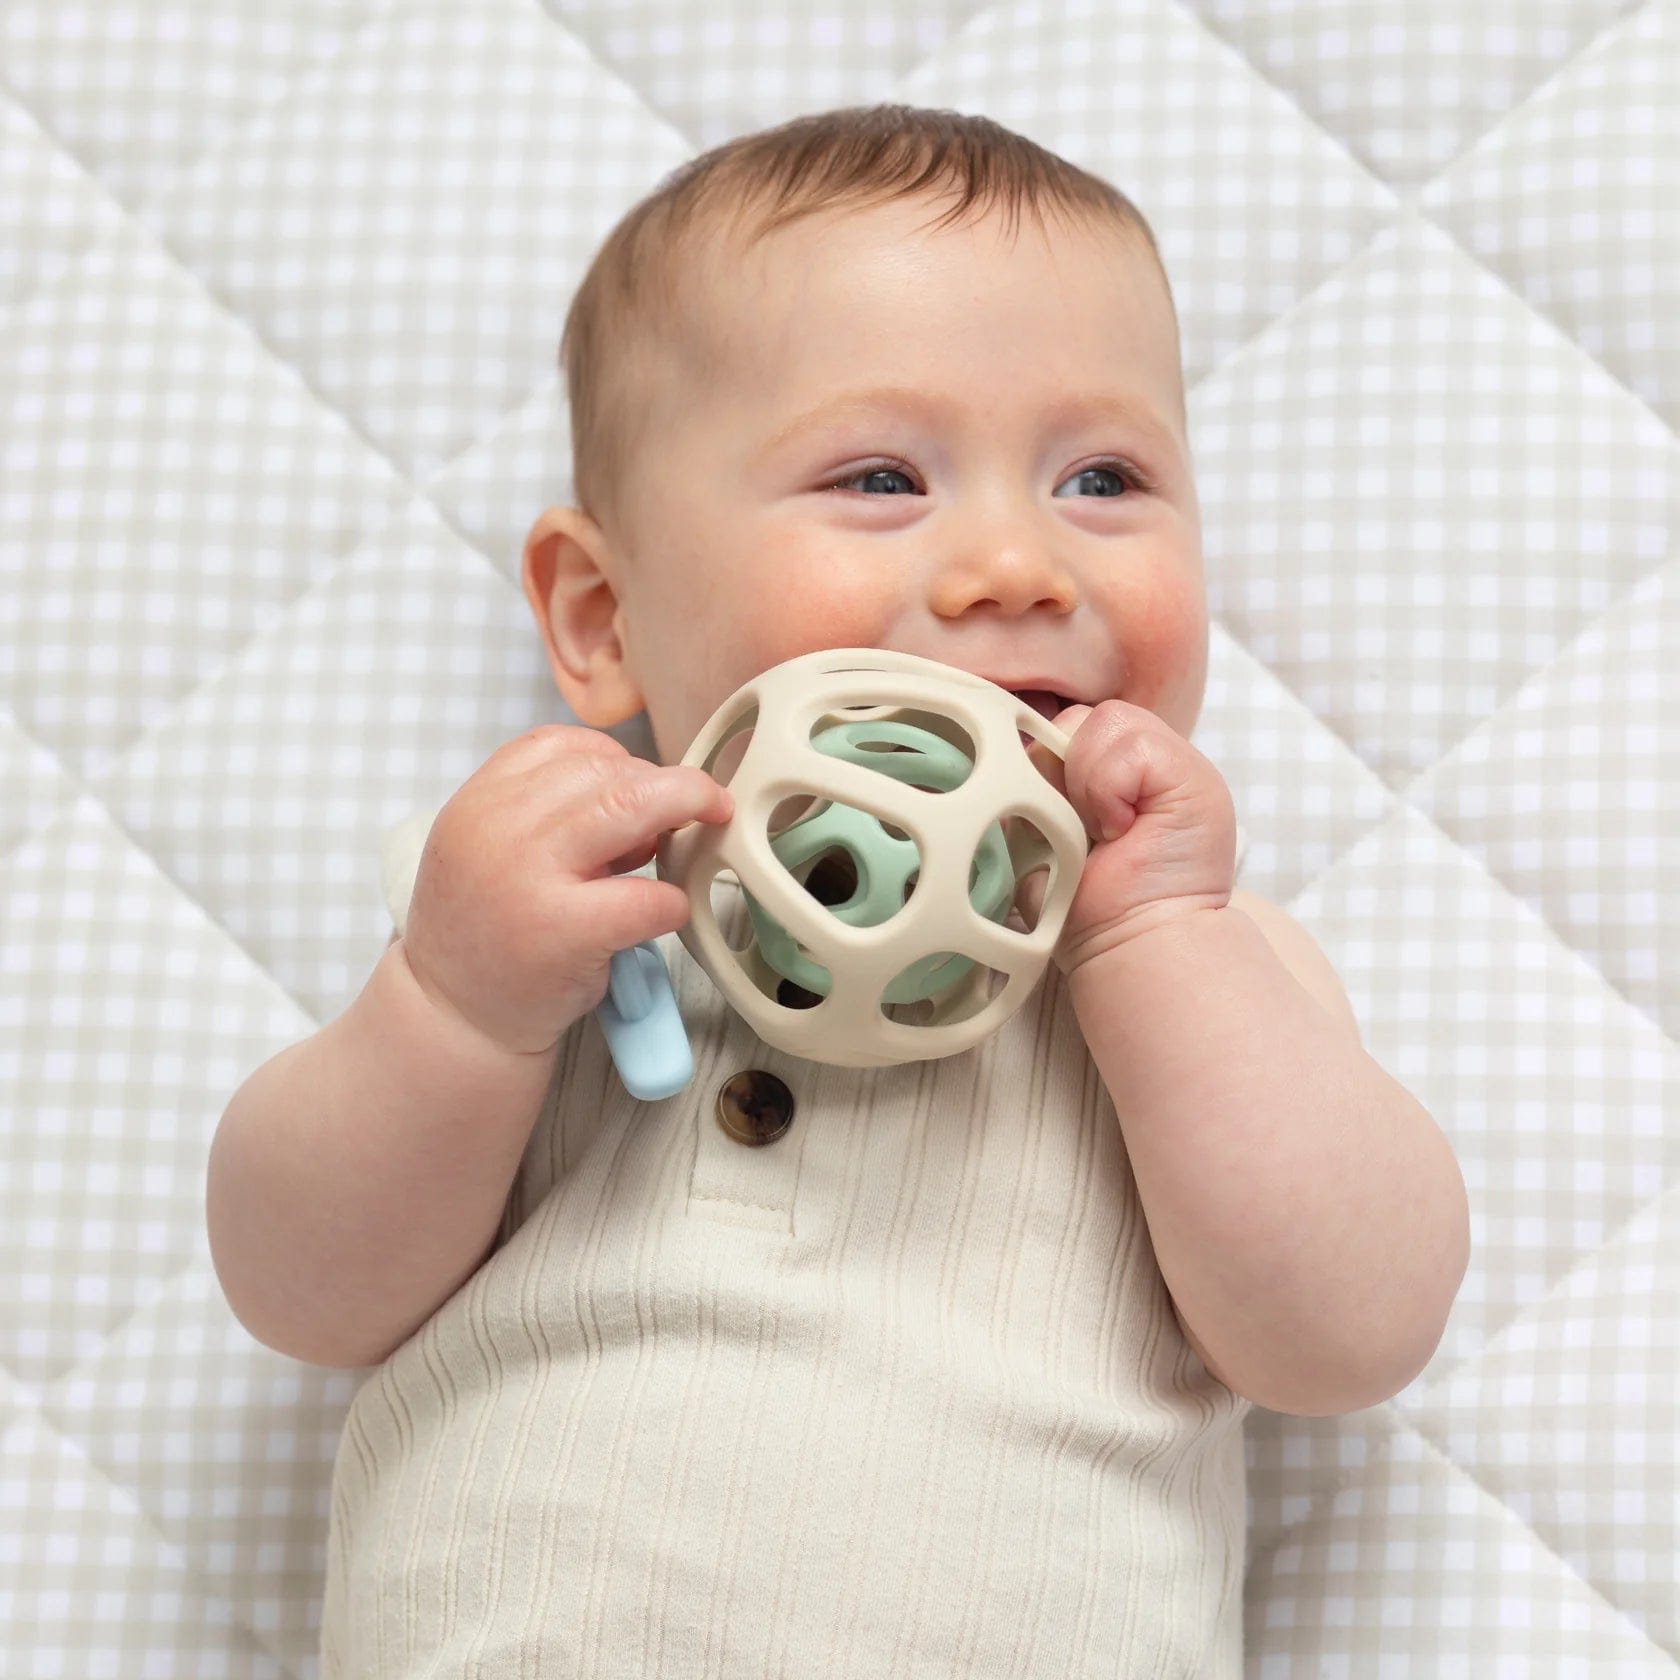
218	803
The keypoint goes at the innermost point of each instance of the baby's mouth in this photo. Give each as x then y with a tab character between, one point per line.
1048	704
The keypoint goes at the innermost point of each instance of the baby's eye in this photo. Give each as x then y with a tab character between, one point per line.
869	473
1119	476
1108	479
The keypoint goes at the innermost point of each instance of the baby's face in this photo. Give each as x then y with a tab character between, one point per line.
944	443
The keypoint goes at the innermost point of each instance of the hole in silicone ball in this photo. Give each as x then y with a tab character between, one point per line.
946	733
796	808
917	1014
735	923
1033	861
954	1002
832	877
725	758
794	996
1029	899
749	959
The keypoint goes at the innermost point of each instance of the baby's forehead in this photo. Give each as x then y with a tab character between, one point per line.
743	287
742	271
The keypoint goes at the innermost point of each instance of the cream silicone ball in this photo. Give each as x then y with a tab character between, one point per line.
781	711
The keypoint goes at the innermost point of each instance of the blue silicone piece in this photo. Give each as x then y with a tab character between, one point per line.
643	1028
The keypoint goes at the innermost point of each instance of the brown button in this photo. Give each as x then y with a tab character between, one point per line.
754	1106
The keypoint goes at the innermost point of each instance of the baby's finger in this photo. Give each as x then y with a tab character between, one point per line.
624	910
625	816
1124	762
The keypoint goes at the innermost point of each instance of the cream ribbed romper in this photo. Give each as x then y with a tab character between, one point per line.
899	1394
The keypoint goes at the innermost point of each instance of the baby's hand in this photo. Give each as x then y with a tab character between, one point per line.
518	906
1162	818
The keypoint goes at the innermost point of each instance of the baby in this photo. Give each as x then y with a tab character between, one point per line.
929	1370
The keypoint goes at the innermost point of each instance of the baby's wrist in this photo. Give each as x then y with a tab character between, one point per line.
1080	957
446	1020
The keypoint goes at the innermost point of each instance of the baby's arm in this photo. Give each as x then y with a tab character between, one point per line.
358	1178
1308	1214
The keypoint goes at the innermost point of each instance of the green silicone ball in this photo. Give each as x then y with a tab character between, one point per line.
884	862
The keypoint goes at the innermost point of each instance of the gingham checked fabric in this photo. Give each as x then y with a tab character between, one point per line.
280	295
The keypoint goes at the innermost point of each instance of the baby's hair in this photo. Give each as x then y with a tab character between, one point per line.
630	307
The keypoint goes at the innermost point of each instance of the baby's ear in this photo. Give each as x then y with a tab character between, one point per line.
570	578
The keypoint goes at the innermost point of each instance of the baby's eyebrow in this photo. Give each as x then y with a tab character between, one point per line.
879	399
1073	410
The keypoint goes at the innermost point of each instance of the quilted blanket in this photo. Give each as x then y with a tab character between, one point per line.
280	296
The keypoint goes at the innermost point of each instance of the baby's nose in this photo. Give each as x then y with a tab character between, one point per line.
1012	579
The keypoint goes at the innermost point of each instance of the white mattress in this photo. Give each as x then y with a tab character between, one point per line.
280	297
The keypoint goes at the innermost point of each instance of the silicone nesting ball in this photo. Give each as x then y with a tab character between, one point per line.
876	907
885	867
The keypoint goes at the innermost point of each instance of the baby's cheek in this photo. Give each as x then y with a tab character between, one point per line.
813	606
1165	649
762	629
